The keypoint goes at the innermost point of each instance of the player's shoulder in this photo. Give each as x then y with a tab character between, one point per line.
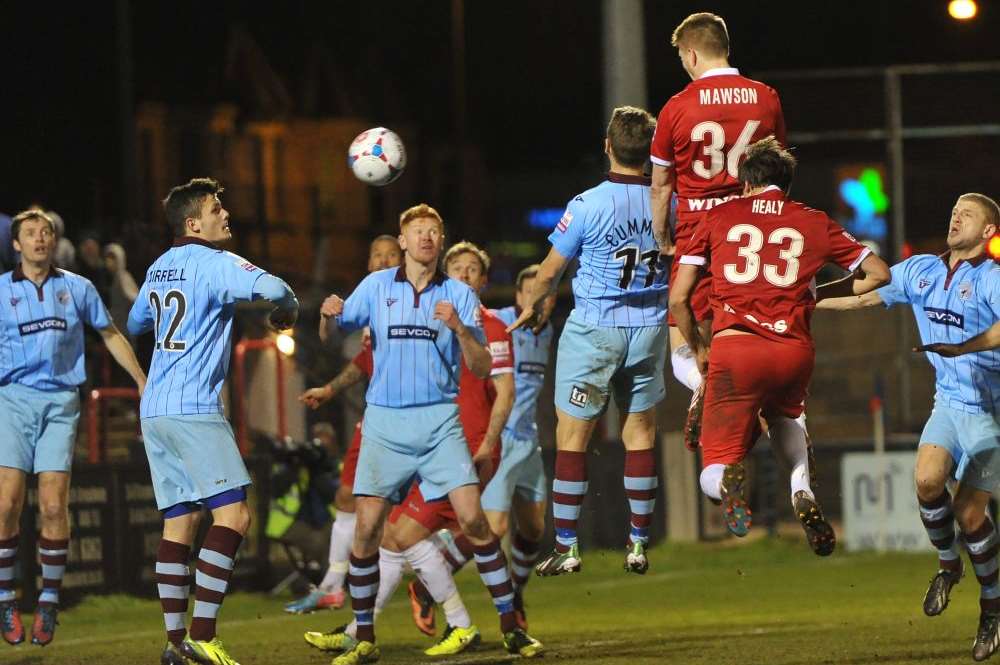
74	280
494	326
597	194
459	289
384	276
505	314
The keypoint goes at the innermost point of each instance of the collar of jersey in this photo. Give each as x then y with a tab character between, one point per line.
972	262
190	240
436	280
720	71
19	274
629	179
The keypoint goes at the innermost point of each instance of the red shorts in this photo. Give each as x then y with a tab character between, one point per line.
700	301
350	466
749	375
435	515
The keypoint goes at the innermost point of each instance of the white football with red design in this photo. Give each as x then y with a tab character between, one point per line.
377	156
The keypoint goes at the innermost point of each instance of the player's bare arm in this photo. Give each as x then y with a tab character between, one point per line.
124	355
987	340
333	306
870	275
536	314
477	358
680	308
316	397
499	413
660	191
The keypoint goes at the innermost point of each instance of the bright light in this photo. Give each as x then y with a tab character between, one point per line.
962	10
285	343
993	248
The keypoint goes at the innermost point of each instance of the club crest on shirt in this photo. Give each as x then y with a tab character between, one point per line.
389	302
63	297
14	301
923	283
964	291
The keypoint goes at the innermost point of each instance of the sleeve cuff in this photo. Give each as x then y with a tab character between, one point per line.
689	260
861	257
660	162
496	371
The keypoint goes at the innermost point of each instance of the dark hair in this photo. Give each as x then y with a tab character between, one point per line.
527	273
630	132
184	201
21	217
705	32
767	163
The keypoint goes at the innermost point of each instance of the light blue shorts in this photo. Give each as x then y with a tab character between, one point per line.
419	443
972	439
593	361
192	458
521	470
38	428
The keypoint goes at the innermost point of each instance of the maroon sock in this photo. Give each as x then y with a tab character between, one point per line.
8	558
173	582
640	489
362	582
568	491
492	565
52	555
215	566
523	553
460	554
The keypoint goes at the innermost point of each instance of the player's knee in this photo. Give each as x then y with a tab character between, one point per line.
344	499
930	485
970	514
532	529
10	507
475	526
53	510
685	368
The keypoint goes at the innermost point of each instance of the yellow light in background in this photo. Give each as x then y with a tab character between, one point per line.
993	248
962	10
285	343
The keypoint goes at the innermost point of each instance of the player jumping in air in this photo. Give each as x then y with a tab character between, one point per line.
42	313
188	301
423	324
762	251
384	252
614	340
956	301
701	134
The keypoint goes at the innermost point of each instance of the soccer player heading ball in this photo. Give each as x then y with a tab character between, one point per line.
762	251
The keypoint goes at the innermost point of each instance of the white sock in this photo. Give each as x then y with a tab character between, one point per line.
711	480
685	367
390	572
341	537
788	440
429	565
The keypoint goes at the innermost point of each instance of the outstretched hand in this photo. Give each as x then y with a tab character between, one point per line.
531	319
940	348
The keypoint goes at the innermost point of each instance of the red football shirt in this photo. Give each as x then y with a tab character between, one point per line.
704	130
475	395
365	360
763	252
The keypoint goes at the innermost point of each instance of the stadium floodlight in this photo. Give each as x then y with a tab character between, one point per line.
962	10
285	343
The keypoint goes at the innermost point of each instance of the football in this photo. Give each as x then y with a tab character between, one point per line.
377	156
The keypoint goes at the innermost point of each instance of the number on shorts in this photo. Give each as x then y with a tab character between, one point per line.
751	241
176	301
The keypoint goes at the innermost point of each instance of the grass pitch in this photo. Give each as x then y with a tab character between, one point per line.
771	602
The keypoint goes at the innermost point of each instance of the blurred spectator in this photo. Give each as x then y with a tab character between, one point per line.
123	287
8	257
91	264
65	255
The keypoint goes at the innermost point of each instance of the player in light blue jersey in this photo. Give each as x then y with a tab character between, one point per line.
42	313
188	301
955	297
614	340
422	324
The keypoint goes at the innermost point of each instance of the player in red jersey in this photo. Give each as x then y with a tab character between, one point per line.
763	251
701	134
483	408
383	253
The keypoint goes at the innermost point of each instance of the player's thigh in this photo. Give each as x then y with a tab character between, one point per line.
171	484
529	515
789	374
19	418
980	439
587	358
406	529
939	453
638	384
469	512
53	489
734	393
56	429
209	454
970	507
12	491
446	463
386	463
499	490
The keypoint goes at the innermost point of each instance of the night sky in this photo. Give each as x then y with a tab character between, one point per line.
534	71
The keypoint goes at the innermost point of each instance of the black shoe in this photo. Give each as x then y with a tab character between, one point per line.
939	591
987	637
819	533
172	656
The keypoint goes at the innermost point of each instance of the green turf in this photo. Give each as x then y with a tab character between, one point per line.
770	602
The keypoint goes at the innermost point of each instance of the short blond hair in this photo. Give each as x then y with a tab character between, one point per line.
420	211
988	205
466	247
705	32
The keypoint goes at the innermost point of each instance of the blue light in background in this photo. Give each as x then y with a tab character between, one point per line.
544	218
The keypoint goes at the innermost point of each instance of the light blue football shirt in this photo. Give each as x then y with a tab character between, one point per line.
531	358
188	300
417	358
41	328
951	306
621	281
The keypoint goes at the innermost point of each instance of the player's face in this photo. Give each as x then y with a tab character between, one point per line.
35	240
466	268
214	220
422	240
384	254
968	226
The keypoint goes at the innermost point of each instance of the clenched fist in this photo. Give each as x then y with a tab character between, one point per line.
445	312
332	306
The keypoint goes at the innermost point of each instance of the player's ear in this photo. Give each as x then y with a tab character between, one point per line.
17	245
193	225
